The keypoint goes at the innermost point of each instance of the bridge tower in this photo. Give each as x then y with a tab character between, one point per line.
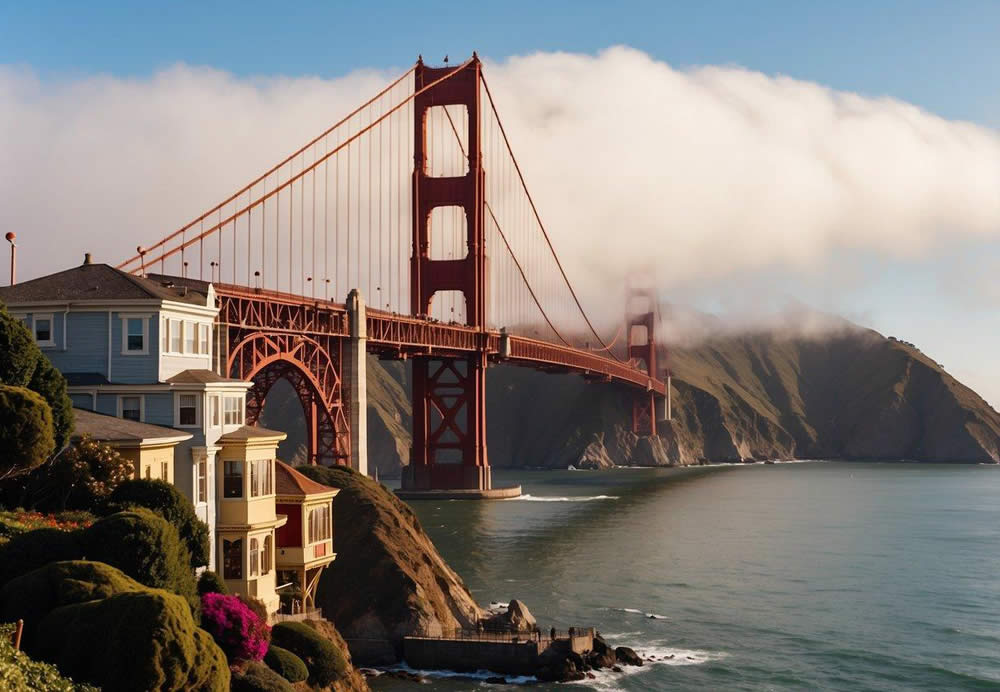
640	326
449	391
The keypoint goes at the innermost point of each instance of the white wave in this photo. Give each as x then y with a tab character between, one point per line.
478	674
636	611
658	654
551	498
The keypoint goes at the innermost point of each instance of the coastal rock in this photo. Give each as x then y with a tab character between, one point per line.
388	580
353	680
517	619
602	655
627	656
558	666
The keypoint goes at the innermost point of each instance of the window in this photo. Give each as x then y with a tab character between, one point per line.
130	407
260	477
214	405
166	335
202	481
203	339
232	481
149	472
133	335
175	336
43	330
234	410
254	558
232	559
163	471
265	558
187	409
319	524
189	337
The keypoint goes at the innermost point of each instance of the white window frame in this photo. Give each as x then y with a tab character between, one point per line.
189	326
142	405
176	324
201	481
215	411
240	412
197	409
51	341
145	335
204	346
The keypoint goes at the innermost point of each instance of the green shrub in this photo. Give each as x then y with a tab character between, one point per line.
35	594
211	582
25	552
286	664
19	673
325	663
144	546
18	352
144	640
259	678
51	384
26	435
167	501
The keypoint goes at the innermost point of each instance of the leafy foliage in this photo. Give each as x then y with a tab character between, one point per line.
286	664
141	640
19	673
144	546
211	582
259	678
26	433
51	384
22	364
325	663
25	552
241	633
79	478
167	501
20	521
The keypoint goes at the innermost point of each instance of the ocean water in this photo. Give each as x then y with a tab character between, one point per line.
811	575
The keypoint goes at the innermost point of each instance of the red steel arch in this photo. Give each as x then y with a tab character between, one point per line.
312	367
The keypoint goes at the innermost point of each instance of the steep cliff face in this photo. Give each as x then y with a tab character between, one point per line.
850	394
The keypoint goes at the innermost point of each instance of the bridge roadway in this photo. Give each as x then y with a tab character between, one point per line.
393	335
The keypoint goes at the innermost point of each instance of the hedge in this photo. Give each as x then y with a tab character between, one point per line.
167	501
286	664
211	582
325	662
259	678
19	673
144	640
28	551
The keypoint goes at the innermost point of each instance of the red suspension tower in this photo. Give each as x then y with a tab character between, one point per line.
644	351
449	393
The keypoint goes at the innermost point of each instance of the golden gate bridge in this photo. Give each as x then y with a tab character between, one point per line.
415	200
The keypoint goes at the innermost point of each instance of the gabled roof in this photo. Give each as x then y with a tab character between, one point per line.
291	483
251	432
199	377
110	429
97	282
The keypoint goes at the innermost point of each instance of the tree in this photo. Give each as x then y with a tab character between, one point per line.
167	501
81	477
26	434
325	663
22	364
51	384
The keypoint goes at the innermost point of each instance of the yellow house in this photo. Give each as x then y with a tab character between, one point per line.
150	448
305	543
246	519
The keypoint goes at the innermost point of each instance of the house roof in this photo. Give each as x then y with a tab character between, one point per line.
199	377
98	282
84	379
251	432
290	482
111	429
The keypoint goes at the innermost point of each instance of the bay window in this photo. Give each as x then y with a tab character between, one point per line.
232	559
232	480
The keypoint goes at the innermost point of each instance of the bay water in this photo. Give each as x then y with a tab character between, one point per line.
807	575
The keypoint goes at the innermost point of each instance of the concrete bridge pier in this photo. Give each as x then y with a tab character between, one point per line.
356	379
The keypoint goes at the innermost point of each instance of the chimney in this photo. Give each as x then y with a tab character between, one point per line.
87	259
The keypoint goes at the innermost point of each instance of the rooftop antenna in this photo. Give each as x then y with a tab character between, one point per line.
11	237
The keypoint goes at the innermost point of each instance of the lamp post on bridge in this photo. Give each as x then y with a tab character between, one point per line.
11	237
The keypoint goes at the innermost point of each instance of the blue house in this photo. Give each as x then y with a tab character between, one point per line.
144	350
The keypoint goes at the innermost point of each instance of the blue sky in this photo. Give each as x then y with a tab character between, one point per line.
941	56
